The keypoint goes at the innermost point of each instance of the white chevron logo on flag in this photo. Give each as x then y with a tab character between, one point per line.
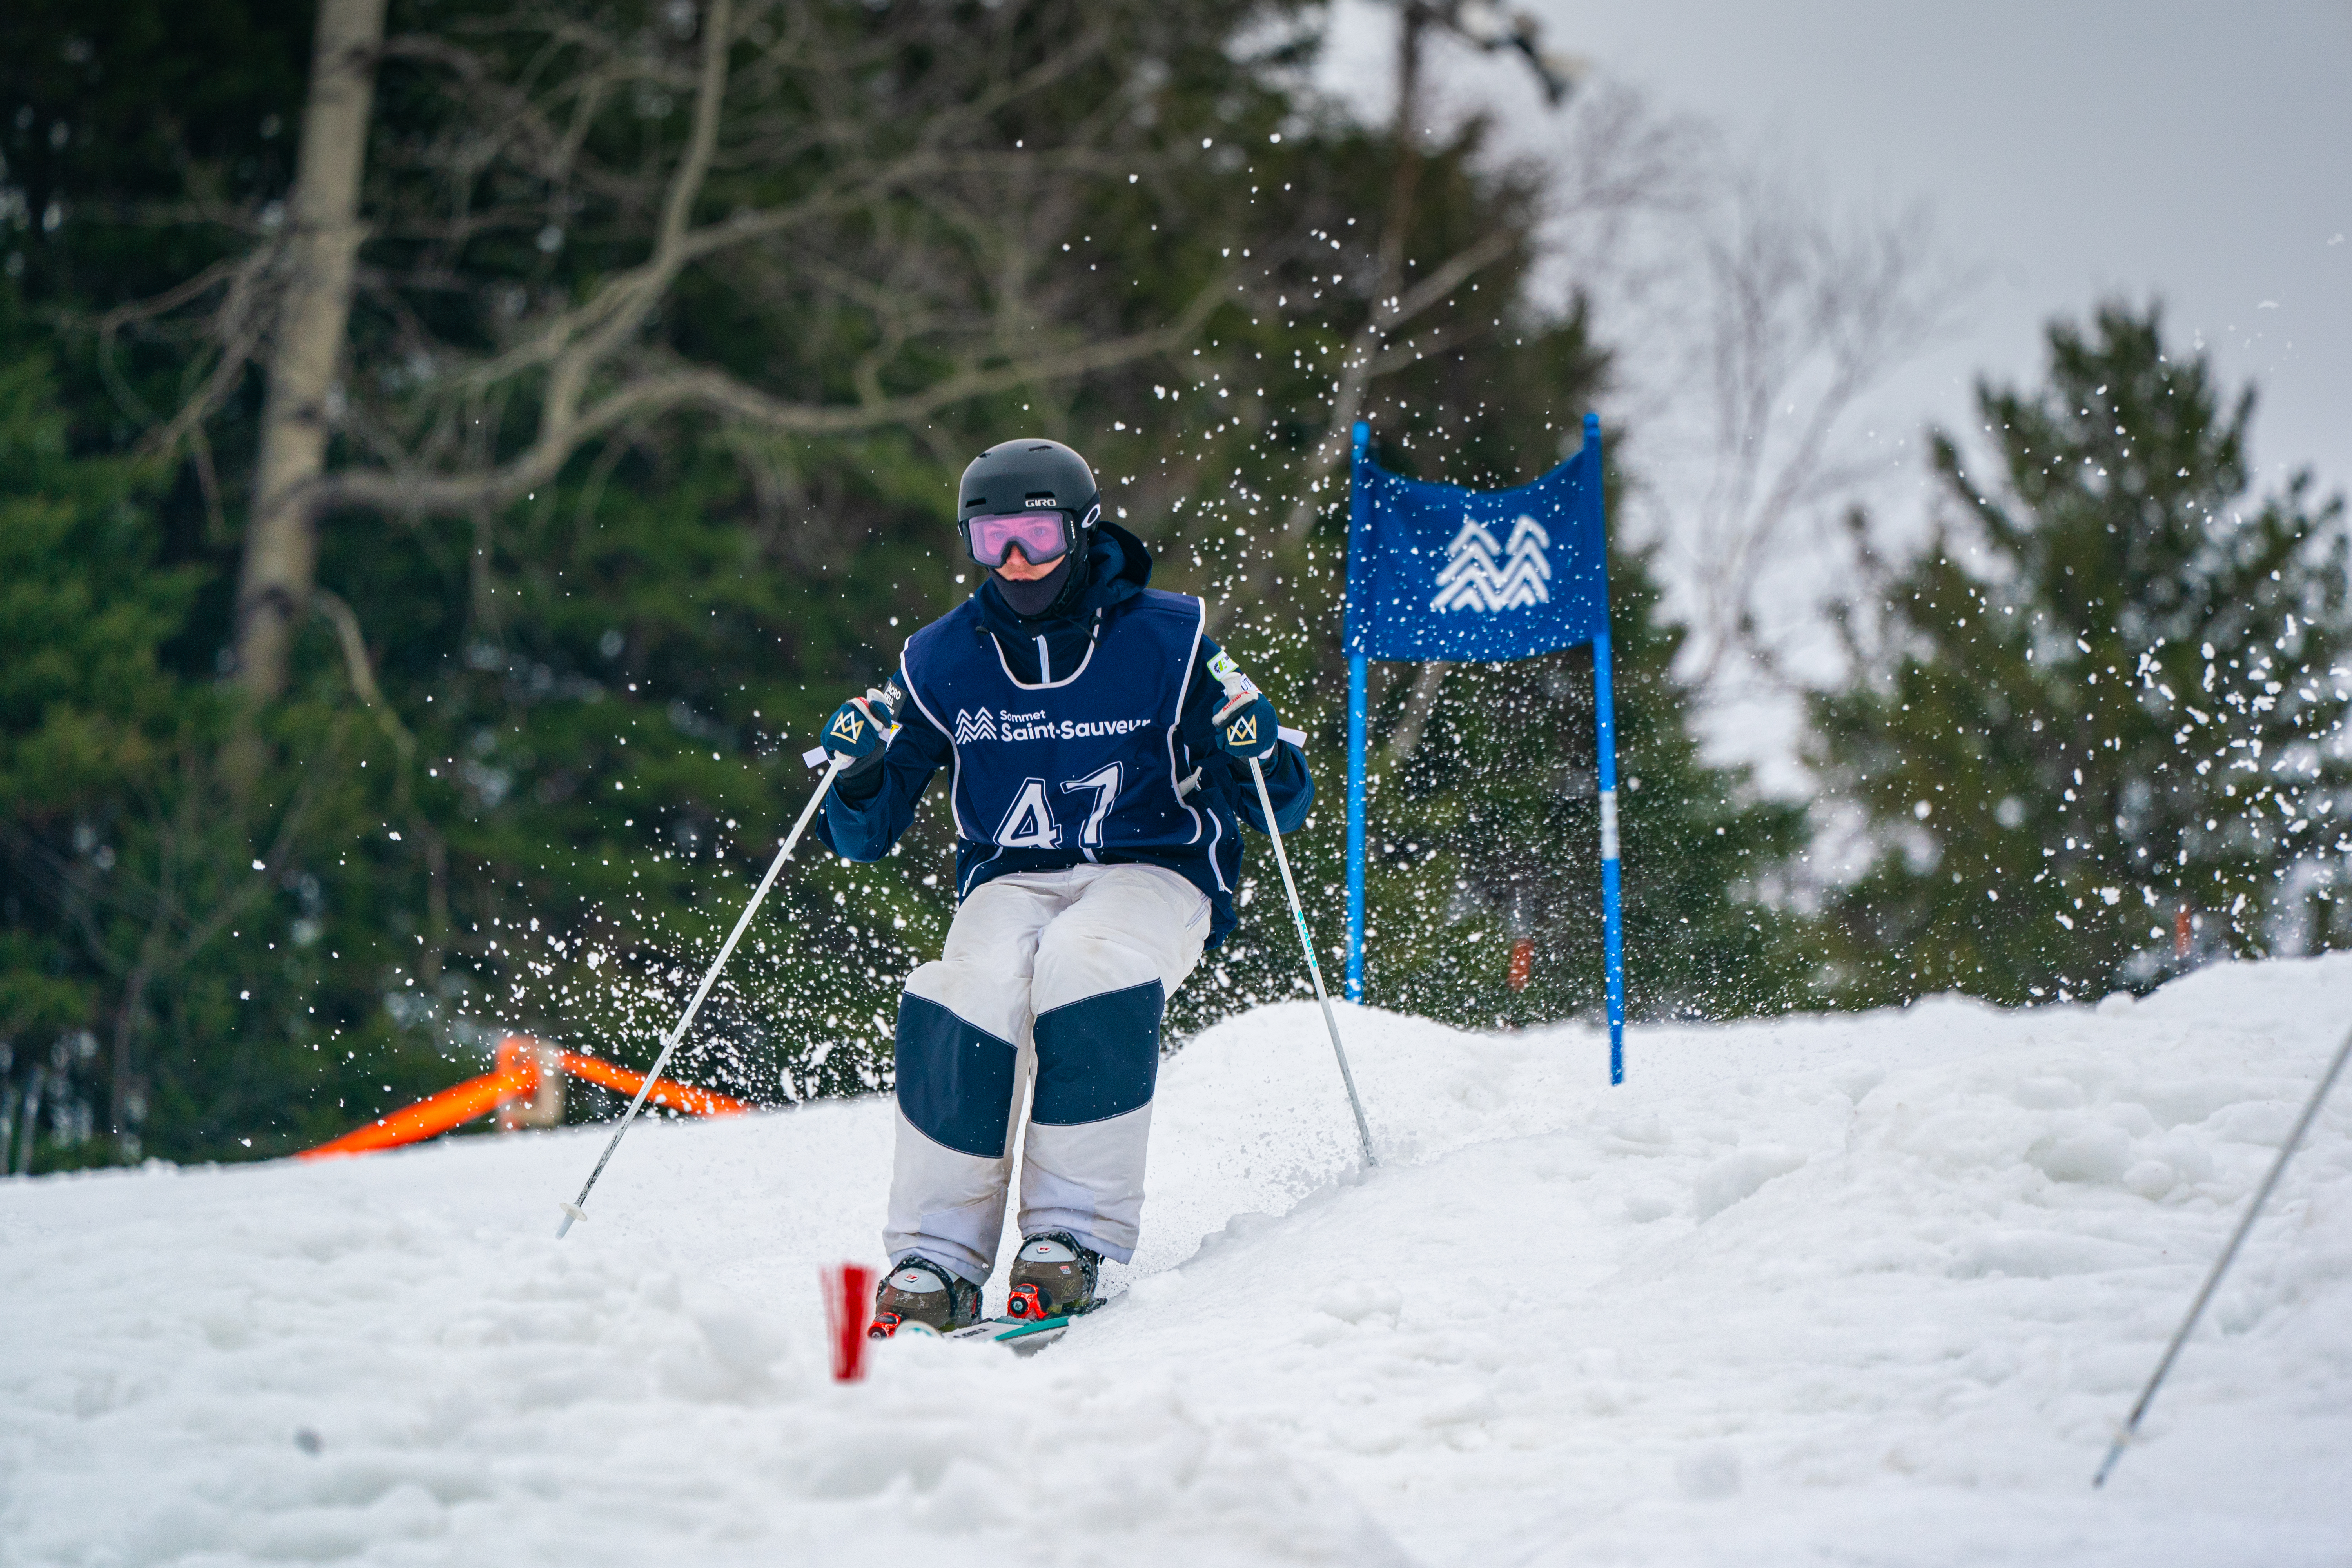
1481	575
971	727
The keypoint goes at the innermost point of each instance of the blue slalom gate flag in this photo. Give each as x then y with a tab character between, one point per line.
1438	572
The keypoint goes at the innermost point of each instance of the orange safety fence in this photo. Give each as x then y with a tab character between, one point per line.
677	1096
516	1078
450	1108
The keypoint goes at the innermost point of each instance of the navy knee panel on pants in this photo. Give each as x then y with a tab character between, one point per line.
1097	1058
955	1079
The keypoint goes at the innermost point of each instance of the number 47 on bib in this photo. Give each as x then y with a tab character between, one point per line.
1029	822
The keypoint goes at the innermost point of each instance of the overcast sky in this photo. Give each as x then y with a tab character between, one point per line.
2199	152
2069	152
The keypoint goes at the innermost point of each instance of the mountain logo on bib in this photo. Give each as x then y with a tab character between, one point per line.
974	725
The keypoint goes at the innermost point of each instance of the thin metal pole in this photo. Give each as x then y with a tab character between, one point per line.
2222	1264
1313	970
575	1208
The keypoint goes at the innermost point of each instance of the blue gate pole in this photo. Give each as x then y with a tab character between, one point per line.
1613	928
1605	716
1357	667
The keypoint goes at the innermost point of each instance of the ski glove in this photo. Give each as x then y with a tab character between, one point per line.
1246	726
860	728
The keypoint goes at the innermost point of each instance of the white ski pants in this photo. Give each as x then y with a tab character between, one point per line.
1048	995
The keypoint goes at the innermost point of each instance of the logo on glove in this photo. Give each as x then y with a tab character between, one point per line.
1242	731
849	726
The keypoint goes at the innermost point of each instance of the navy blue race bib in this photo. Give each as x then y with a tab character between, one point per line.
1084	764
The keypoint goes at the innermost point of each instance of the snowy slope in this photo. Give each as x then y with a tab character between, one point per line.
1867	1289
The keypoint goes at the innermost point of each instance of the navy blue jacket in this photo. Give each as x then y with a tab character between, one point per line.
865	818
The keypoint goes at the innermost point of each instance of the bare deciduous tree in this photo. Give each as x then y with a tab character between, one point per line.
842	166
1790	322
313	308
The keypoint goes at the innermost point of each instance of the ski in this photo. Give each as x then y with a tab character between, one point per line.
1025	1337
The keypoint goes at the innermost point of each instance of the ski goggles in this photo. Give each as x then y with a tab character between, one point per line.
1045	535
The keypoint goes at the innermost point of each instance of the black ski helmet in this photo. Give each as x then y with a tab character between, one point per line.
1030	474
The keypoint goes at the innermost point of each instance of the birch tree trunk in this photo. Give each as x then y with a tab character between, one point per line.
281	547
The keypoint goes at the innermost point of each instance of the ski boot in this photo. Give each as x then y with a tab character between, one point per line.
1053	1277
922	1292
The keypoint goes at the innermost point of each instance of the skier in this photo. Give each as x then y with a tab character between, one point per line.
1099	747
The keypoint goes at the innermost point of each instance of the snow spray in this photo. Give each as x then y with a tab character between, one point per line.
848	1290
576	1208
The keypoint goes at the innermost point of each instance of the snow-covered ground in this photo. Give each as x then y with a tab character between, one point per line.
1870	1289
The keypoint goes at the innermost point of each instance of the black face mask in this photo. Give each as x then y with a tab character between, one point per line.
1037	596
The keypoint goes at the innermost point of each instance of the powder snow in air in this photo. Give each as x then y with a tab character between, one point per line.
1858	1289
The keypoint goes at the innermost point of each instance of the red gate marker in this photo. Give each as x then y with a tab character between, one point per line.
848	1290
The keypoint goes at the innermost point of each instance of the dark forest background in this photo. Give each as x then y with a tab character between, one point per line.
660	334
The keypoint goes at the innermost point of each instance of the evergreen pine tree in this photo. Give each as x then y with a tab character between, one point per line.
2108	695
167	983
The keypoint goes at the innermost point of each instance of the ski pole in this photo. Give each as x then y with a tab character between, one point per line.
1313	970
574	1209
2222	1264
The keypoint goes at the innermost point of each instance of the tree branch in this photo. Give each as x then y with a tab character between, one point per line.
1361	366
718	393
